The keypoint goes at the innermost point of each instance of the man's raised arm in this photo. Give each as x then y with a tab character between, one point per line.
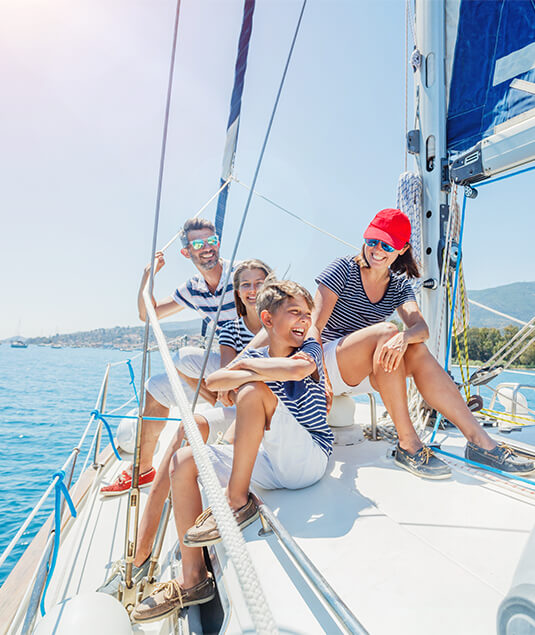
164	307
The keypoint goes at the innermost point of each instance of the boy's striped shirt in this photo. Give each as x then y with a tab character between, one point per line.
305	399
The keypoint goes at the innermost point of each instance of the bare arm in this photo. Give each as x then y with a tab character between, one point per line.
324	302
261	369
163	307
417	331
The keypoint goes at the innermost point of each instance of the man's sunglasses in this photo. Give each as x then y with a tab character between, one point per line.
199	243
373	242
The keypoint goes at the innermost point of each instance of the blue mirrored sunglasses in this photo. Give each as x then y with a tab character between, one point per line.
373	242
199	243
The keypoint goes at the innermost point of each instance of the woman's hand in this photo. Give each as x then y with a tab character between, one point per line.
392	352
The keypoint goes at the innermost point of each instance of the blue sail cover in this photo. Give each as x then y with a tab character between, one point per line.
491	43
235	108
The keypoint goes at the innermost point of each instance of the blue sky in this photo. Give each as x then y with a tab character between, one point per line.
81	120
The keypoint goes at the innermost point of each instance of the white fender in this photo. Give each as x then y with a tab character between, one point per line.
125	436
86	614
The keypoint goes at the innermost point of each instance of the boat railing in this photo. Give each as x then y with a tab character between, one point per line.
28	607
337	607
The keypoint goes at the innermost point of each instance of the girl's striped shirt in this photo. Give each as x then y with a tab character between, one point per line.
235	334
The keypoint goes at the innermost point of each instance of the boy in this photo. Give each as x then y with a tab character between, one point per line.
282	439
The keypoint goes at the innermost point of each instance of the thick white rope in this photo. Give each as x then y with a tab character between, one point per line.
233	541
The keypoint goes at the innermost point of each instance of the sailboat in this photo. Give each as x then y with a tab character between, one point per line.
369	548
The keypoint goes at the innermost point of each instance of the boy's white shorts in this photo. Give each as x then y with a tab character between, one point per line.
338	384
288	457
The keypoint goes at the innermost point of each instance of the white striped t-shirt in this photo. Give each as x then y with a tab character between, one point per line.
235	334
353	310
194	294
305	399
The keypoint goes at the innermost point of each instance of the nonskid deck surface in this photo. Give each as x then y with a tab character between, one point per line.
406	555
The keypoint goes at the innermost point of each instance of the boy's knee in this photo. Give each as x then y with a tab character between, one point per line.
251	391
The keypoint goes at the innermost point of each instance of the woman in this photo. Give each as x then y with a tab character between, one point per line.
363	352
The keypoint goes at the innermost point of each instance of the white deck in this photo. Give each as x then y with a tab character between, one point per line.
406	555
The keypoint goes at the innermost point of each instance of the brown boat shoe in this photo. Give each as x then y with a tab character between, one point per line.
205	531
169	597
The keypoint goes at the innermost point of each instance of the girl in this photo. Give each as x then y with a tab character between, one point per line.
363	352
234	336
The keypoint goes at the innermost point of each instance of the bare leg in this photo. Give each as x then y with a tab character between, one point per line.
357	356
439	391
158	493
208	395
187	505
255	406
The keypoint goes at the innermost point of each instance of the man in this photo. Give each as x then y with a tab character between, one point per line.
202	292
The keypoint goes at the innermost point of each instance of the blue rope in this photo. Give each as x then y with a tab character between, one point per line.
60	489
501	178
97	415
145	418
485	467
132	378
452	314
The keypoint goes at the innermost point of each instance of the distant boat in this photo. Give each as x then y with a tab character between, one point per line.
56	346
18	344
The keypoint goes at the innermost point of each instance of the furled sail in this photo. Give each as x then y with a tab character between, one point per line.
235	109
490	86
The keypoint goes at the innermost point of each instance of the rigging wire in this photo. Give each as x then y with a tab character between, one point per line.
133	502
294	215
248	202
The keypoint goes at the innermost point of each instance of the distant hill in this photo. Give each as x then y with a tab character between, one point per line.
516	299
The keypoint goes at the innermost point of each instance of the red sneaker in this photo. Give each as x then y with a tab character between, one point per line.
124	481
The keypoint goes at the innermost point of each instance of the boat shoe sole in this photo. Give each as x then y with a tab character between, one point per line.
174	604
245	516
409	468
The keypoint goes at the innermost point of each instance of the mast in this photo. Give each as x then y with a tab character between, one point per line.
430	109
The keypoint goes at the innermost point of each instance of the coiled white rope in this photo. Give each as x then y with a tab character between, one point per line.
409	201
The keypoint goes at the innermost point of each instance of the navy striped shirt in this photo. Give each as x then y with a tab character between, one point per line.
353	310
194	294
235	334
305	399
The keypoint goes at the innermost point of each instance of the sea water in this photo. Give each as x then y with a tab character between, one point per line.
46	396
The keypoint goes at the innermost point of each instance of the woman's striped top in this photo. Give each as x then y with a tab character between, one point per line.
353	310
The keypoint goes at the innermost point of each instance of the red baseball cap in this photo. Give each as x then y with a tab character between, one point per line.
392	226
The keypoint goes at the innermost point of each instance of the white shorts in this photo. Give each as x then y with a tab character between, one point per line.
338	384
288	457
188	360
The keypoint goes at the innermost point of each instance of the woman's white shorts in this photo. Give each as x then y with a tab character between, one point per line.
338	384
288	457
